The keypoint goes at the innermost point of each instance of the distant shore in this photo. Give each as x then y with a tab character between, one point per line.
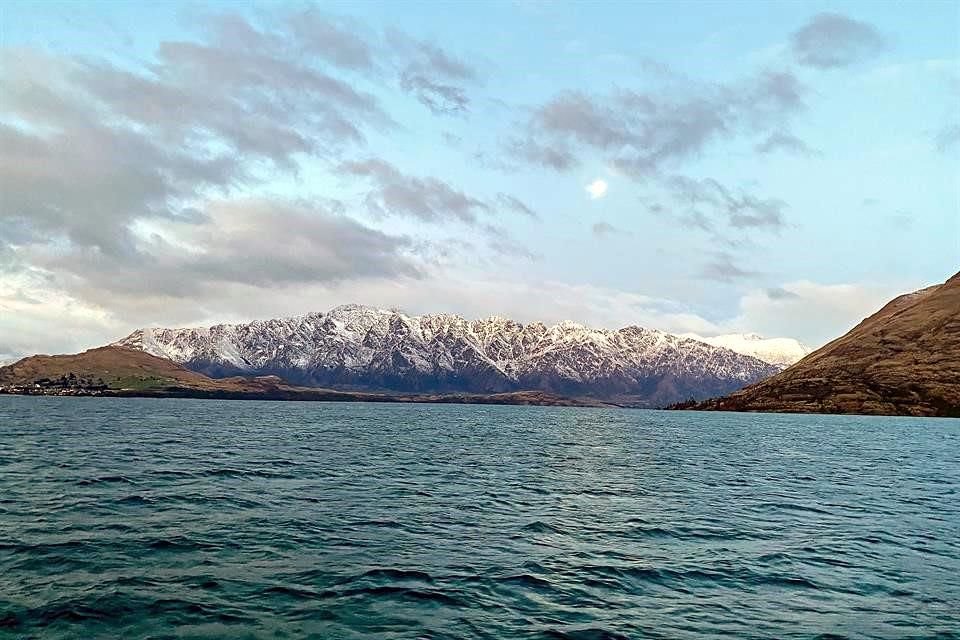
529	398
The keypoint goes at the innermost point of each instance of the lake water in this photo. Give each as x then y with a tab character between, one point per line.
140	518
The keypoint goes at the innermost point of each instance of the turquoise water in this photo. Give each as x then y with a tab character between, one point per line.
140	518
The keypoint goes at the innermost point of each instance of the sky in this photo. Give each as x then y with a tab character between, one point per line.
706	167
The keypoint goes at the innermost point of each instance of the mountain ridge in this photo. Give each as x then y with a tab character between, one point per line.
360	347
902	360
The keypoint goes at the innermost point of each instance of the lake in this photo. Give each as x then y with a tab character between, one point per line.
166	518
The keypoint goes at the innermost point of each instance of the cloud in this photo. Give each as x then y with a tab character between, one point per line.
703	201
723	269
433	76
812	312
643	134
511	202
556	156
50	322
639	132
557	301
429	199
780	141
597	189
398	194
87	148
831	40
335	40
68	324
257	243
248	259
779	293
440	98
500	242
126	187
602	229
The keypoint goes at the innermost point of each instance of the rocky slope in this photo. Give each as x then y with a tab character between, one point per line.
781	352
902	360
357	347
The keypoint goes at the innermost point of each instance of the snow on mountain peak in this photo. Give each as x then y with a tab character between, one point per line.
359	346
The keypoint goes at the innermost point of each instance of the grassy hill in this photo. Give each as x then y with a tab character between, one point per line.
115	367
902	360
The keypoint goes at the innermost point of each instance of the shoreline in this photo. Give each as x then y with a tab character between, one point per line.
519	398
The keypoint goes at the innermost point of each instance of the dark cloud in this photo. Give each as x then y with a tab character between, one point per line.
832	40
87	185
258	243
723	269
780	141
265	242
640	132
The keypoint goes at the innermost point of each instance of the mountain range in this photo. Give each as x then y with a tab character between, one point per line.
355	347
902	360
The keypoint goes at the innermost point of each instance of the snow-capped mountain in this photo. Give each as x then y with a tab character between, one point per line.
360	347
781	352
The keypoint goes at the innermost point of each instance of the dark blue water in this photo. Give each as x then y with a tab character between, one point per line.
180	518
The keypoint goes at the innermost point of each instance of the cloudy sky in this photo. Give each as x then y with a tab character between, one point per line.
707	167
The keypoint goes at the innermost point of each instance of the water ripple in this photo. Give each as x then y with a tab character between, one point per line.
177	518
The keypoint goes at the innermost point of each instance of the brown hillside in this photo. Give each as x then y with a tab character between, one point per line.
117	367
902	360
